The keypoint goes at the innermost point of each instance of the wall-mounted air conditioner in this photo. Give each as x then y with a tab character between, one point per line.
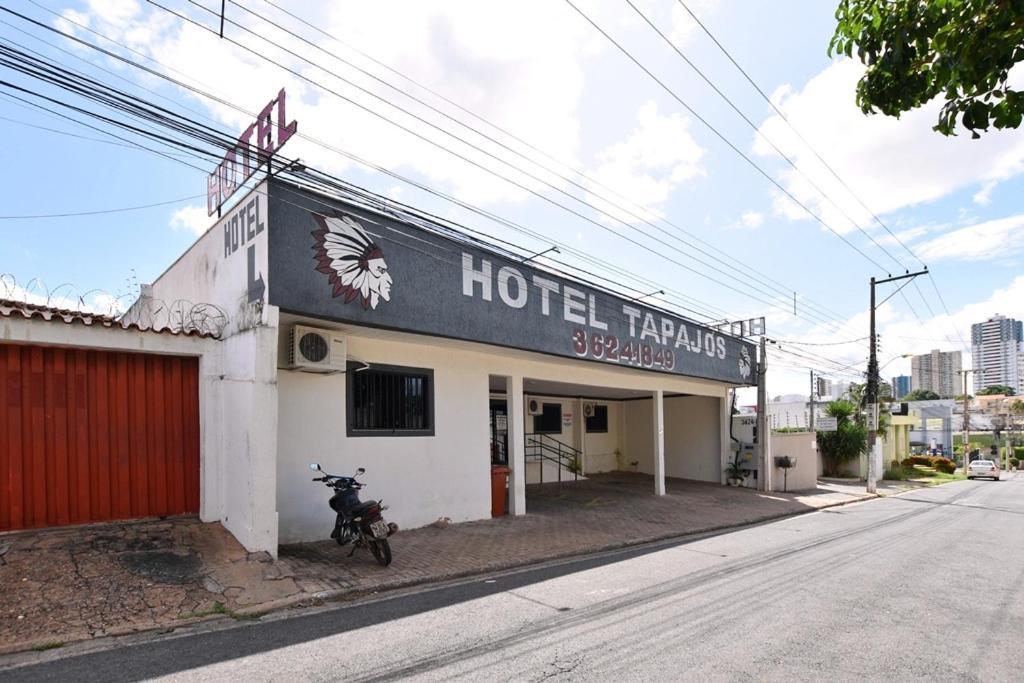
589	408
534	407
311	349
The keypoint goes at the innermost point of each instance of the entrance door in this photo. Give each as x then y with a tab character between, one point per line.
499	431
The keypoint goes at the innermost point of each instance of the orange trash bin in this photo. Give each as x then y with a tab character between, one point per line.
499	484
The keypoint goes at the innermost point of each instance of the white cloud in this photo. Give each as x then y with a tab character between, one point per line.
752	219
654	159
191	218
518	65
890	163
989	240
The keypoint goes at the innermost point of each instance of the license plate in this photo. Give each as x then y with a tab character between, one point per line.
379	529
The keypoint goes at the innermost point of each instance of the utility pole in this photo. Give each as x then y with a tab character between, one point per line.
872	393
965	441
811	418
762	415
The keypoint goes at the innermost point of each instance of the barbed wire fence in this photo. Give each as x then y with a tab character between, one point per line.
131	307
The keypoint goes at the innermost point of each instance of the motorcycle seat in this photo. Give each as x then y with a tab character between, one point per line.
362	507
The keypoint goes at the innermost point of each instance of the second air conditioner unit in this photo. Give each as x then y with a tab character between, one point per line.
534	407
589	408
311	349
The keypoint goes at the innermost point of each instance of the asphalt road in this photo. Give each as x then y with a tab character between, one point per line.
927	585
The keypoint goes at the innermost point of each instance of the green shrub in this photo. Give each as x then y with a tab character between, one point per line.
895	472
1018	452
944	465
923	460
1014	462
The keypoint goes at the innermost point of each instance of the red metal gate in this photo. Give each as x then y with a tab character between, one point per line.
89	436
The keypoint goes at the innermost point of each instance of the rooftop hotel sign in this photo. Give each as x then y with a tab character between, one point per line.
334	261
242	160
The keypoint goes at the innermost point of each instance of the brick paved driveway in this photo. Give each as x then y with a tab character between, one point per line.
602	512
60	585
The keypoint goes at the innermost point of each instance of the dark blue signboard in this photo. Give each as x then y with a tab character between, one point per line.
331	260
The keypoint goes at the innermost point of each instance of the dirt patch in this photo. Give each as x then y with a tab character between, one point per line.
163	566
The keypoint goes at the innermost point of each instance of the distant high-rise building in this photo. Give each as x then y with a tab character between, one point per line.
996	348
900	386
839	389
938	371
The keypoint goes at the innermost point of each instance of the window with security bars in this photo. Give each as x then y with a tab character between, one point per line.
390	401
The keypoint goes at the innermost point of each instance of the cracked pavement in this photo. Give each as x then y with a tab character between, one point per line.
63	585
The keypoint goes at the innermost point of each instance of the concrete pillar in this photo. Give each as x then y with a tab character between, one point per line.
726	441
659	442
580	433
516	446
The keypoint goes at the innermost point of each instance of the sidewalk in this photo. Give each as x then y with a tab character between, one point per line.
62	585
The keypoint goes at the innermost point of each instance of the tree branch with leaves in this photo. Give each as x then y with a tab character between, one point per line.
917	50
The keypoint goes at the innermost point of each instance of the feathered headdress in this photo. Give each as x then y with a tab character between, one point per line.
343	252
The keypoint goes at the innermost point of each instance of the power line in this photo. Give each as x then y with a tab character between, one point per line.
782	116
828	166
784	290
100	211
298	74
722	137
486	214
112	96
758	131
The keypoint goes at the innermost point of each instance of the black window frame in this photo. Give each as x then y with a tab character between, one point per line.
598	408
353	377
538	418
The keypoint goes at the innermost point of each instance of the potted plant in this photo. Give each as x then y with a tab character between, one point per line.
735	472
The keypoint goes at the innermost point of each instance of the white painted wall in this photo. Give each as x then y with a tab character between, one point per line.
637	436
799	445
420	478
693	438
239	407
207	273
693	442
600	448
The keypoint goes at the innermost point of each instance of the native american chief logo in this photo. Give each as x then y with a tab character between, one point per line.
354	264
744	363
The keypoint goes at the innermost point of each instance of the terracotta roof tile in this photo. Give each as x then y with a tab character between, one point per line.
10	308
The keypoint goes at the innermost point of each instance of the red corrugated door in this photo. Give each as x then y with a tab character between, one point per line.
91	436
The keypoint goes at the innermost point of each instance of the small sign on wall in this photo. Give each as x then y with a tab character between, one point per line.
567	418
826	424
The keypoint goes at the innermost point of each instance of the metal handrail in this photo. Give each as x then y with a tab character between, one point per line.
565	456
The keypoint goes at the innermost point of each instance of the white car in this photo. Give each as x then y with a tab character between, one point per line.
983	468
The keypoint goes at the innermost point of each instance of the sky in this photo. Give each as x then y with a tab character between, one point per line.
736	210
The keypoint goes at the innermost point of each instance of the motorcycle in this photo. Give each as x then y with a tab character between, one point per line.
358	523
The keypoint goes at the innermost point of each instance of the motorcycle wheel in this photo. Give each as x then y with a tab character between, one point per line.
381	552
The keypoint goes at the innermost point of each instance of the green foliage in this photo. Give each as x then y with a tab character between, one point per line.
846	443
1017	407
789	430
735	469
1018	452
997	389
944	465
894	472
917	50
917	460
1014	462
921	395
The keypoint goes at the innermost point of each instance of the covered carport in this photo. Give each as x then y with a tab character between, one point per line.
574	432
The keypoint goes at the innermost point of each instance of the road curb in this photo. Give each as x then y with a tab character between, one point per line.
109	640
